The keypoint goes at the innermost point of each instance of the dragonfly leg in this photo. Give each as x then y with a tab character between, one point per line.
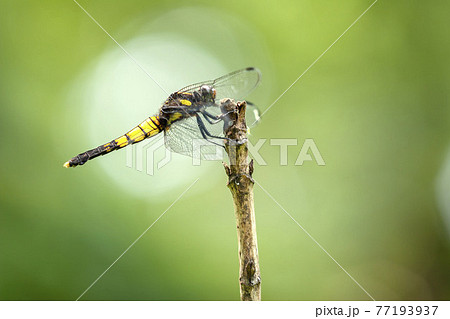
203	128
206	134
206	138
212	119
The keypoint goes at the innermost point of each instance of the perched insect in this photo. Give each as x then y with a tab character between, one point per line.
189	113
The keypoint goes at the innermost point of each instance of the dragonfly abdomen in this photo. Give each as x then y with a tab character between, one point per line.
150	127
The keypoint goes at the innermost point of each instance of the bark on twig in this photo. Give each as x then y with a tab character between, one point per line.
240	183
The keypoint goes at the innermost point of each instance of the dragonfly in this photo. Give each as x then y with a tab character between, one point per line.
190	113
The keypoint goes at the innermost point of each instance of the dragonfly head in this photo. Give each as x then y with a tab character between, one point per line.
208	93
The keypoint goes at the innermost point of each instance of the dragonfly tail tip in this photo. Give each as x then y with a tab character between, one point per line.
66	164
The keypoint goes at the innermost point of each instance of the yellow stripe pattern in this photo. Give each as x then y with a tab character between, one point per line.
146	129
186	102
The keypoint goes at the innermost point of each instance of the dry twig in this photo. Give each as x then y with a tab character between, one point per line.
240	183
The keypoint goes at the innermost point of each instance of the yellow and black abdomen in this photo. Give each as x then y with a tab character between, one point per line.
150	127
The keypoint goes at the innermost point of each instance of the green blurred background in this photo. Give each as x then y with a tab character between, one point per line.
376	105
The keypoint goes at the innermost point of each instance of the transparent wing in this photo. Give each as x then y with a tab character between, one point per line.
236	85
184	137
252	115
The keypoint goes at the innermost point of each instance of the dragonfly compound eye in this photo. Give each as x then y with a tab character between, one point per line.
206	91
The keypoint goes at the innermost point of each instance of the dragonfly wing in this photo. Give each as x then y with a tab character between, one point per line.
180	135
252	115
236	85
184	137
